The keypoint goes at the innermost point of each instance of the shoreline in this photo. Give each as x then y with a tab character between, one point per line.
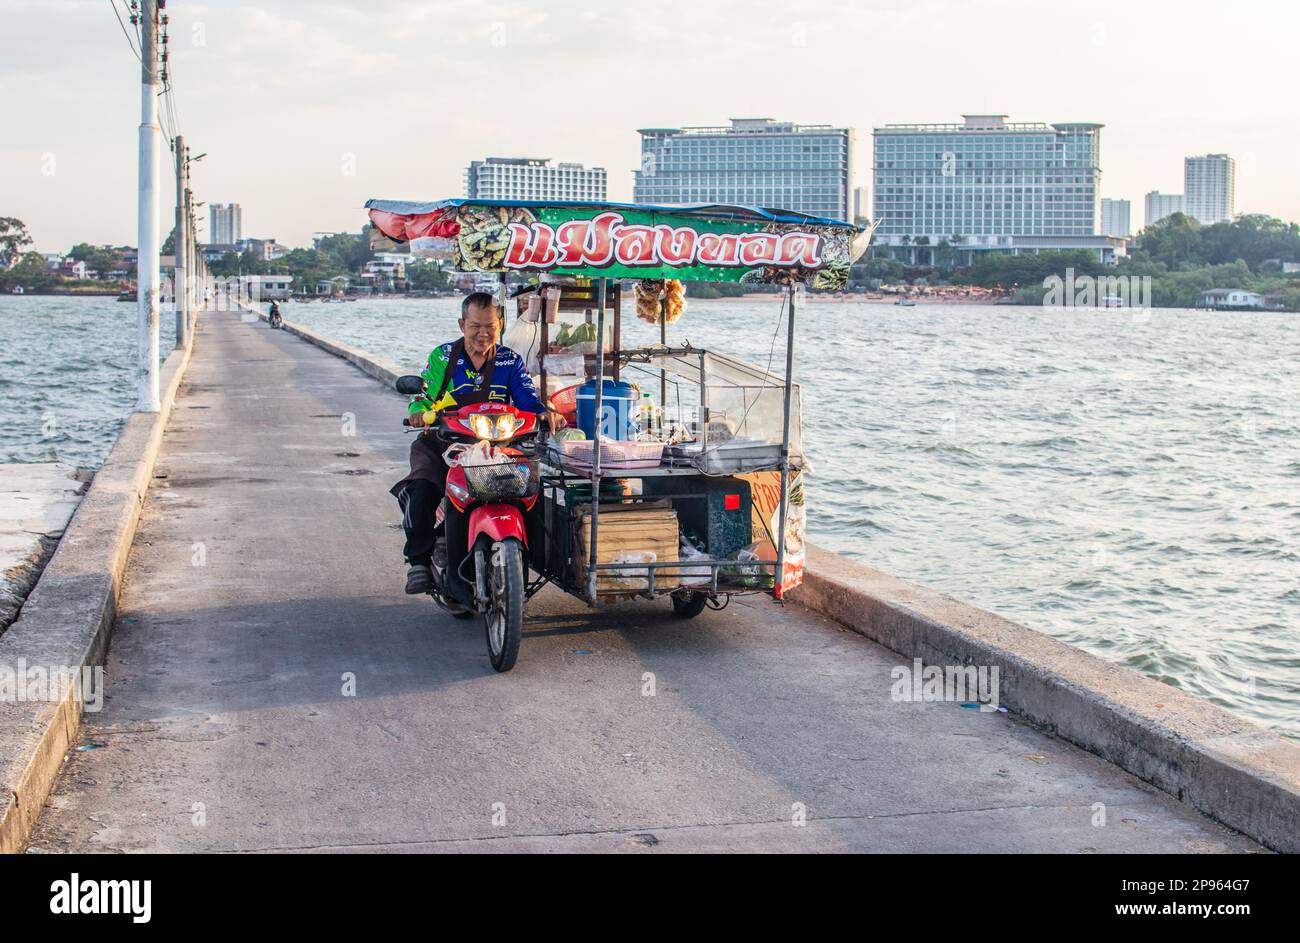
1003	301
859	298
62	294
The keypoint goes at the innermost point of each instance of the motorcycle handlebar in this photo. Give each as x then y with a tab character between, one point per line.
530	449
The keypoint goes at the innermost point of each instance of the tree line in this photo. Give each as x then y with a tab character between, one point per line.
1182	257
330	256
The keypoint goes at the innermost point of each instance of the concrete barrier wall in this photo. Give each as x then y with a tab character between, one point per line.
67	618
1223	765
384	371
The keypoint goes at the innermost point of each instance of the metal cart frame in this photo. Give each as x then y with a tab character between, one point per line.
597	473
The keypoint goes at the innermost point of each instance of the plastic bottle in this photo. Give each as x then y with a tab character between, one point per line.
646	419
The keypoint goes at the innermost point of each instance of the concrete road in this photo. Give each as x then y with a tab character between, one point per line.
271	689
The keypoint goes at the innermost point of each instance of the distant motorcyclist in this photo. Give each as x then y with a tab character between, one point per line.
274	318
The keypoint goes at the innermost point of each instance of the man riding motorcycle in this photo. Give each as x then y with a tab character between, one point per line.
473	369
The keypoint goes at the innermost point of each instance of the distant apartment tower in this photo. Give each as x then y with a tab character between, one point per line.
225	224
861	204
1160	205
533	178
988	184
1115	215
1209	188
752	162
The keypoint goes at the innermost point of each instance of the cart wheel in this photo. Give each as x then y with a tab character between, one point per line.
688	604
504	619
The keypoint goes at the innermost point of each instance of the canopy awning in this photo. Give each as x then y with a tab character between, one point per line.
697	242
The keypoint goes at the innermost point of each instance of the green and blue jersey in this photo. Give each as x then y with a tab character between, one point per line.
510	381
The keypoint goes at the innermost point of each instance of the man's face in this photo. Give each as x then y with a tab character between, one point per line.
482	329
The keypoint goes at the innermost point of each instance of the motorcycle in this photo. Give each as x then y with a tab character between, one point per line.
492	482
274	319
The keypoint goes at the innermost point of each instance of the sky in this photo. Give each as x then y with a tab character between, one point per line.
306	108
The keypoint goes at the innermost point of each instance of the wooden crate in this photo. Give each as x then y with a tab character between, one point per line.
628	529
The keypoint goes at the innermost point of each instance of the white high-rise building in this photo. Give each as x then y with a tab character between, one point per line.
1209	187
225	224
752	162
987	184
533	178
1115	215
1159	205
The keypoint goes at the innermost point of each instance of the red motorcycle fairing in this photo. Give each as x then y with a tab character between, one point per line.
458	422
498	521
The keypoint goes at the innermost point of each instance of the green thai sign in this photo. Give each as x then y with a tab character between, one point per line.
626	242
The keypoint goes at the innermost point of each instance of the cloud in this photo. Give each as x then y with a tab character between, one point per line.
286	97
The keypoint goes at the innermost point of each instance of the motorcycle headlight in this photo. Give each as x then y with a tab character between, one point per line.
507	425
483	426
494	428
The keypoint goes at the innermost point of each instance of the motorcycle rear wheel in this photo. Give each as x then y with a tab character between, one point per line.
504	620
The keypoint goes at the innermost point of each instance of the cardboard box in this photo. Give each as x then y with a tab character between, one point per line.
628	533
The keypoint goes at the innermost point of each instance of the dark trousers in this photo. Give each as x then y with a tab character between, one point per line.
419	501
419	495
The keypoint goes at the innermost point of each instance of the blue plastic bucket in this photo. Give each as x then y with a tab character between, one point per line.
618	408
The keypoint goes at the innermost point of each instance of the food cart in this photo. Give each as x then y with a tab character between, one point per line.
697	495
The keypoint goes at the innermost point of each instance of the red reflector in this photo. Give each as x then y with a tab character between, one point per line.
731	502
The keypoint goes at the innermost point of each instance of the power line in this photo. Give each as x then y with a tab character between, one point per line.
167	132
133	43
169	114
170	119
168	85
165	117
169	93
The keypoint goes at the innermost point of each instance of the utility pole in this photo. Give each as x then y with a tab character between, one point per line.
191	290
199	295
196	265
147	276
180	294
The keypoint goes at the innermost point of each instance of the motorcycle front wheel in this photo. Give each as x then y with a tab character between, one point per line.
504	619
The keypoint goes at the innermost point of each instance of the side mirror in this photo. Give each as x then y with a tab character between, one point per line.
410	385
